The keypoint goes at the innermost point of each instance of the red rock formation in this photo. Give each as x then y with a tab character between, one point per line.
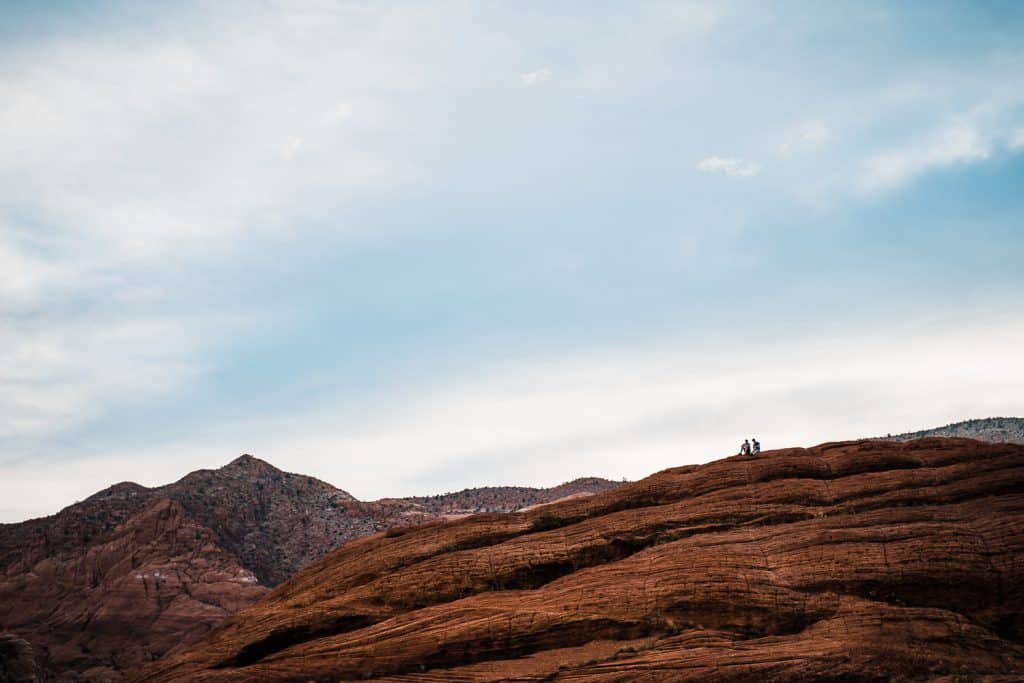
864	560
131	573
152	582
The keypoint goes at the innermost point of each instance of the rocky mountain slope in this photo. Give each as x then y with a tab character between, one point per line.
498	498
990	429
130	573
870	560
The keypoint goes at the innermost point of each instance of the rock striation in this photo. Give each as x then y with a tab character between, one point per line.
856	561
96	595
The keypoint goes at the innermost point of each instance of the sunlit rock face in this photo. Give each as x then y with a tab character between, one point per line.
868	560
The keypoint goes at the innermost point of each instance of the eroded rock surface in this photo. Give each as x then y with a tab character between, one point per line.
149	584
131	573
867	560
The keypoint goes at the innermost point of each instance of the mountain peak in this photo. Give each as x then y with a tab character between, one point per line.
124	489
248	462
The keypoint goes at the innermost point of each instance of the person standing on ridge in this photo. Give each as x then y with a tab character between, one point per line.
755	449
745	448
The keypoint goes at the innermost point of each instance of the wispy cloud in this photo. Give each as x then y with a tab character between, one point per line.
58	375
960	143
809	135
291	149
729	166
535	77
1016	139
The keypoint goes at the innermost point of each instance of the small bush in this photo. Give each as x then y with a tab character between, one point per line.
546	522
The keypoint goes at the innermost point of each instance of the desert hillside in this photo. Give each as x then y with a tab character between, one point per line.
130	573
869	560
991	429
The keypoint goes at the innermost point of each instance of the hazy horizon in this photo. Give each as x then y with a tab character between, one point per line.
408	249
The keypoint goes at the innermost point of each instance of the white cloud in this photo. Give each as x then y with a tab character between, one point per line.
729	166
169	143
292	149
27	280
960	143
1016	139
811	134
61	374
535	77
343	111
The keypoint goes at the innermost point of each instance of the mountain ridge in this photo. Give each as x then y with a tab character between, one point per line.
864	560
990	429
132	572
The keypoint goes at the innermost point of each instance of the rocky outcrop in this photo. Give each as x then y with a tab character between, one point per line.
868	560
130	573
150	583
274	522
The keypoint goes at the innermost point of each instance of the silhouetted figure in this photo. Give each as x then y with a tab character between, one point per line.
756	447
745	448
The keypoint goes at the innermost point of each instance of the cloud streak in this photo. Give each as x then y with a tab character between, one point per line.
729	166
537	77
961	143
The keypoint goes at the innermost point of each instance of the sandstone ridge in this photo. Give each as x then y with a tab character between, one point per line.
867	560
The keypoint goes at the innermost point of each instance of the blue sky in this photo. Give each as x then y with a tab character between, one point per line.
410	248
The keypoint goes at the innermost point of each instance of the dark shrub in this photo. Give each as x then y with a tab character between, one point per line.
547	521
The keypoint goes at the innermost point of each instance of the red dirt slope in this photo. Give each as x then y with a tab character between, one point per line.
848	561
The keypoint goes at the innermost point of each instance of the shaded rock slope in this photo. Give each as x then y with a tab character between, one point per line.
130	573
17	660
869	560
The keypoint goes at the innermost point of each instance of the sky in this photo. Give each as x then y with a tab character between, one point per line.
414	247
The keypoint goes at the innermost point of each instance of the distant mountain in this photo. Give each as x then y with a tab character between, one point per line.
274	522
990	429
499	498
132	572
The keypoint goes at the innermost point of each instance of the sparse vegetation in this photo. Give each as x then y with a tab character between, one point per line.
547	521
992	429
